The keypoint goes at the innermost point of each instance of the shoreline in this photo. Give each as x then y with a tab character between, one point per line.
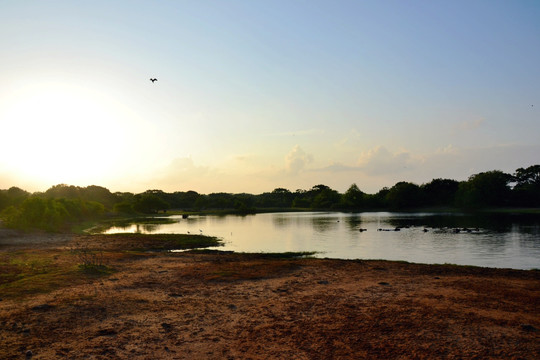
16	239
247	306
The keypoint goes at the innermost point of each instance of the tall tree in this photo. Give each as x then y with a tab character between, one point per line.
485	189
527	188
353	198
440	192
404	195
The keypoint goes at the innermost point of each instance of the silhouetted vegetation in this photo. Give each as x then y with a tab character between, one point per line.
487	189
50	214
526	191
62	205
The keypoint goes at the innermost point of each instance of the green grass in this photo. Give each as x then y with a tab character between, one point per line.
96	270
24	273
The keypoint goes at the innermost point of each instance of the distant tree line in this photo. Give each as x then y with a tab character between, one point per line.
63	205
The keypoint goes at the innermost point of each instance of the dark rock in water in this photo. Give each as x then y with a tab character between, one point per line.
29	354
384	283
323	282
43	307
175	295
528	328
231	306
436	278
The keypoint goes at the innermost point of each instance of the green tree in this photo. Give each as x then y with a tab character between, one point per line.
485	189
526	191
378	200
353	198
301	199
4	200
404	195
99	194
528	176
63	191
440	192
14	196
184	200
149	203
326	199
36	213
123	207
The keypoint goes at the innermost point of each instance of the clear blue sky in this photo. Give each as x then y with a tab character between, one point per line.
254	95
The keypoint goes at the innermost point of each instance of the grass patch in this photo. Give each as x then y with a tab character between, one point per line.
30	272
25	282
96	270
30	284
152	242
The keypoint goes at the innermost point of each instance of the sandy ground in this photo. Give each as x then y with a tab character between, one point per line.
227	306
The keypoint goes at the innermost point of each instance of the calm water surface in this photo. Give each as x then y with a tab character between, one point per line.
503	241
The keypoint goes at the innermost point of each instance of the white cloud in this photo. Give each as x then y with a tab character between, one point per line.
380	161
297	159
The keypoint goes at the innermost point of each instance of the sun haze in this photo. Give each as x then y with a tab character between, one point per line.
254	95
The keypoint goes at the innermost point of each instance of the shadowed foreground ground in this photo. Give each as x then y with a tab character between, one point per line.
226	306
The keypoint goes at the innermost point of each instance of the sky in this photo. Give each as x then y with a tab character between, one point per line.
256	95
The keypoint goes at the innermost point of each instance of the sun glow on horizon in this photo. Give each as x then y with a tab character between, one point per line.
60	134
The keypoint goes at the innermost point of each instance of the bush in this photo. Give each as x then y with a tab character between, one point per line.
50	214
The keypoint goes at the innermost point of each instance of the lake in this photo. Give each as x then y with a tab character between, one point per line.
497	240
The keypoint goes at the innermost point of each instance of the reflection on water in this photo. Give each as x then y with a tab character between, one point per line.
499	240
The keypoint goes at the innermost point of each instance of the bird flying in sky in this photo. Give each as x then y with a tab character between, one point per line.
153	80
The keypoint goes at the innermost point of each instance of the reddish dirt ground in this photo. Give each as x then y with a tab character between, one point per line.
231	306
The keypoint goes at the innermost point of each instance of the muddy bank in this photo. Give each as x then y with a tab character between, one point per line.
230	306
12	239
